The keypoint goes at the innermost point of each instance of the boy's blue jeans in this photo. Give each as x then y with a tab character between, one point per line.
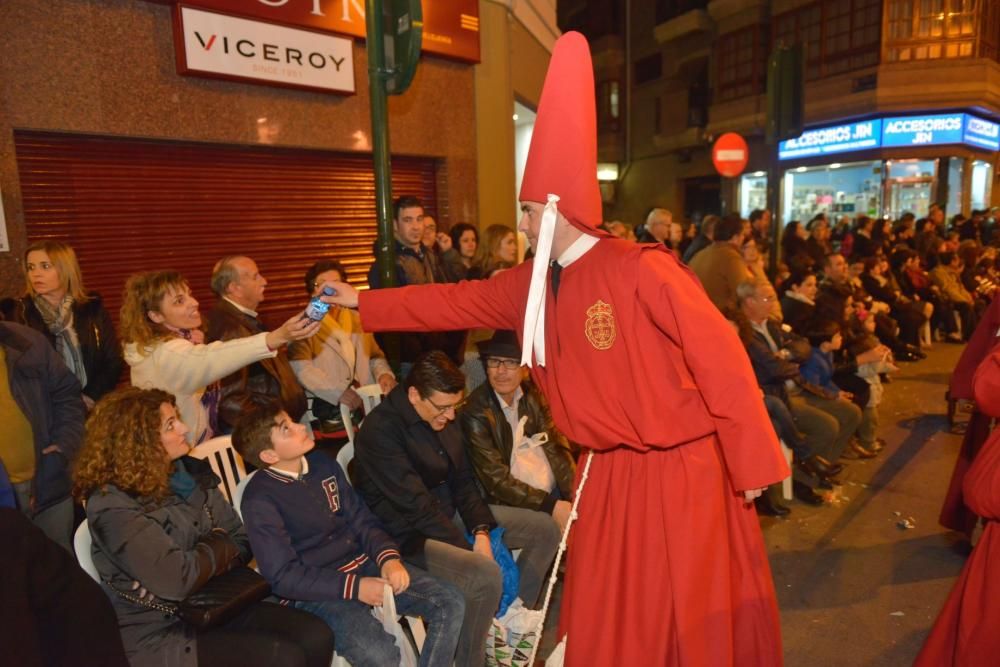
359	636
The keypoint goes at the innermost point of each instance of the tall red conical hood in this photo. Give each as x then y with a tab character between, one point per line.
562	159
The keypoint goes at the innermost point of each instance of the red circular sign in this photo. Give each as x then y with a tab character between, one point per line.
730	154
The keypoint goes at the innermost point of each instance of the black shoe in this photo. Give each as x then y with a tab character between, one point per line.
805	494
767	507
916	351
820	467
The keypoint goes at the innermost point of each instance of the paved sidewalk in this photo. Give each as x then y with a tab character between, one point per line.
855	588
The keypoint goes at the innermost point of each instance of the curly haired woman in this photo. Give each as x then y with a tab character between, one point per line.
165	346
161	529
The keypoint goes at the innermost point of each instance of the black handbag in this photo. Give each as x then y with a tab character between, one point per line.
218	601
223	597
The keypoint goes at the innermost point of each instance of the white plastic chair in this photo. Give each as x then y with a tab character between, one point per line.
238	494
225	462
82	542
371	394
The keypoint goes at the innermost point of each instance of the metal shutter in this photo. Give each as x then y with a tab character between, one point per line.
128	205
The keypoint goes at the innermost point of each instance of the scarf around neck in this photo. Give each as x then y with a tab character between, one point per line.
59	320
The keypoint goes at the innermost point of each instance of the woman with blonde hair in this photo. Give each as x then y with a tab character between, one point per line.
56	304
497	250
165	348
161	531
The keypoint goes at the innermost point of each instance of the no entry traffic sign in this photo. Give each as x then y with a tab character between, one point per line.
730	154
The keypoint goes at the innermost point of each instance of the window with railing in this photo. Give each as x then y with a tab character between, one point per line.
835	36
932	29
741	63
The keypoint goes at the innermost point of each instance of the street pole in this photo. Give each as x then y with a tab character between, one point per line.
377	76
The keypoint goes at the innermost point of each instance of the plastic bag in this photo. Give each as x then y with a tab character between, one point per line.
528	462
509	573
512	636
390	623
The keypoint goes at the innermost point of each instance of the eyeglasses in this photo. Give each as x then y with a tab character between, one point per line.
509	364
441	409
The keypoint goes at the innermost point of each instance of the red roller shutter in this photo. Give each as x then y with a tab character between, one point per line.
128	205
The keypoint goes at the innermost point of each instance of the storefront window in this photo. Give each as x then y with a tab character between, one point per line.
910	187
753	192
982	184
835	189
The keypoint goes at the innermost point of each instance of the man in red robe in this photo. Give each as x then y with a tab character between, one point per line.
667	565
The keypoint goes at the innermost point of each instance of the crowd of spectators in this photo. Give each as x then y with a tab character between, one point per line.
451	465
850	300
445	483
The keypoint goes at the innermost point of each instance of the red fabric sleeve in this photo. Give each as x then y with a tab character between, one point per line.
468	304
679	307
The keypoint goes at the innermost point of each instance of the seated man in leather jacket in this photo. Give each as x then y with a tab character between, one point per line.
542	479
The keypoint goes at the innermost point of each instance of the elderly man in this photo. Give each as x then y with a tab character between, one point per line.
828	423
615	334
659	229
519	456
239	286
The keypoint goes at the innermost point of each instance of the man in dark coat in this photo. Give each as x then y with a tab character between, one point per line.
239	287
411	469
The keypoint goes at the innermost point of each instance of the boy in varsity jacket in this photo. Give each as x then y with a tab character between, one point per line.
322	549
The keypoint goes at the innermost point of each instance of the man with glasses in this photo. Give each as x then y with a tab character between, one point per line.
519	456
412	471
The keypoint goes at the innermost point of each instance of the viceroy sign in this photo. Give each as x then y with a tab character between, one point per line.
222	46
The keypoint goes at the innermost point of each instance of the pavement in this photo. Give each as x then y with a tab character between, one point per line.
854	587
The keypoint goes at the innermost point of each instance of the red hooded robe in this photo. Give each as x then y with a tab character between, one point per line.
967	633
667	564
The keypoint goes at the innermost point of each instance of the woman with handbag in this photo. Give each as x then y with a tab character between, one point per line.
172	552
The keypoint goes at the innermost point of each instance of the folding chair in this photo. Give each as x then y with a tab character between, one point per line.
225	462
82	542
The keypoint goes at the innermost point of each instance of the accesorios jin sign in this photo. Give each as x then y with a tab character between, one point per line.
895	131
227	47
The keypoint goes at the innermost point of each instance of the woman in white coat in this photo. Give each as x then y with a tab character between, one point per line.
164	346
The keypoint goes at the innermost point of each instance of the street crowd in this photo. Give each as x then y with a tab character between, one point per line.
448	457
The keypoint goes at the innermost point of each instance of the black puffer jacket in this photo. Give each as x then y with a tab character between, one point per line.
172	548
489	442
102	355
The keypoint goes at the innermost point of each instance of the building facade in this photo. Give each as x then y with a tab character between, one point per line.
917	80
108	144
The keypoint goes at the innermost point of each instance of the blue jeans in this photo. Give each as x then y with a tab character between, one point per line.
359	636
